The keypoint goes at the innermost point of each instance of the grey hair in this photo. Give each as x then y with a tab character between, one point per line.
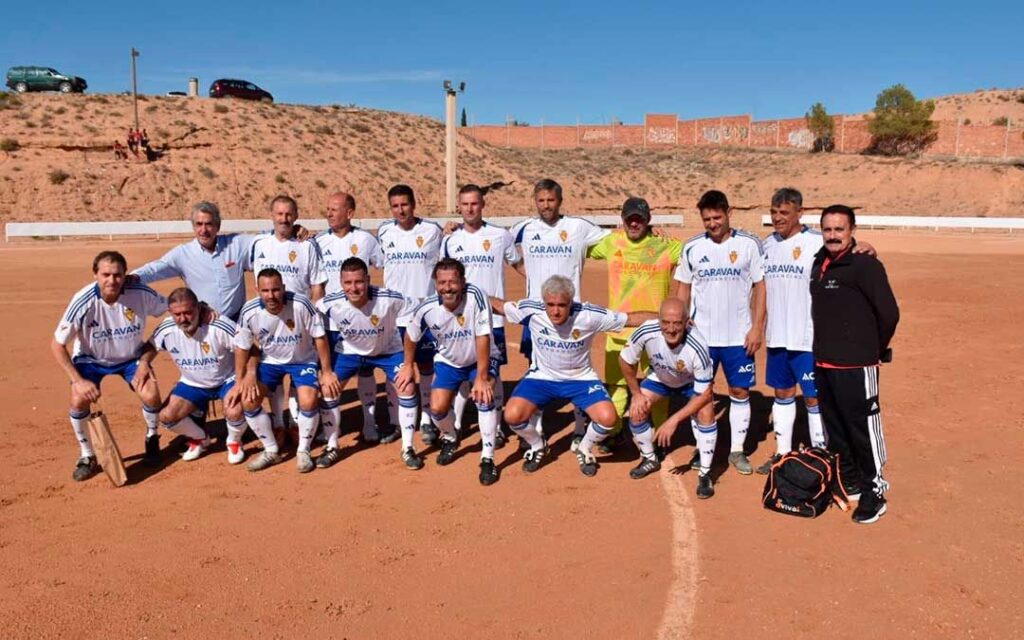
206	207
547	184
787	195
558	286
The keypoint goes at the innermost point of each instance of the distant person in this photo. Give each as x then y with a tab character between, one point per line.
143	139
133	142
120	153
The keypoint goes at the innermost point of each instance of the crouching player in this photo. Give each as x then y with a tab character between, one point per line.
289	334
203	350
680	366
562	332
459	318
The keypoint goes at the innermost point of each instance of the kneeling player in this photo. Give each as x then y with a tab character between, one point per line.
459	317
680	366
289	333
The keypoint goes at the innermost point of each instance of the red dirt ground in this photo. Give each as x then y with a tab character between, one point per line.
368	549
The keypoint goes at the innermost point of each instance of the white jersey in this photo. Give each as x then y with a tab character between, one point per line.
357	243
409	258
299	261
689	362
484	254
108	334
207	358
455	332
371	330
286	338
787	279
720	276
562	353
555	250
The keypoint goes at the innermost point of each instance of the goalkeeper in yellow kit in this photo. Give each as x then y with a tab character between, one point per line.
640	267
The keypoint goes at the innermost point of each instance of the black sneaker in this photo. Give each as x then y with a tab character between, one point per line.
429	434
870	508
533	459
85	468
412	461
588	463
152	456
705	486
852	492
695	460
488	472
608	446
448	450
387	437
329	456
500	439
766	468
646	467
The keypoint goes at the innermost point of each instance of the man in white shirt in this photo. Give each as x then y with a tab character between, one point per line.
411	247
289	333
680	366
106	320
561	369
459	318
721	280
204	352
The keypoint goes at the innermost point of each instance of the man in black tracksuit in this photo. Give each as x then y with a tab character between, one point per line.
855	317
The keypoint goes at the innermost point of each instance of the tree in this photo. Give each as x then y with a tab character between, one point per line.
822	126
462	123
901	123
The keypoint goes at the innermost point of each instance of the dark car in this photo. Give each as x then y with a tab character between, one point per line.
23	79
227	88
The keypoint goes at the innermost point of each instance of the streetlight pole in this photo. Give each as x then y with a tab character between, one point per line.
135	89
450	92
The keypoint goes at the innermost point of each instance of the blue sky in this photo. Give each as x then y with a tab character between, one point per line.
536	61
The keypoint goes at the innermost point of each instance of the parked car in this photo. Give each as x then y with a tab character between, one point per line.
23	79
228	88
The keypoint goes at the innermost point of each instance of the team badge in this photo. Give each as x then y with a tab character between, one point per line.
129	315
461	320
796	253
292	255
290	323
419	241
575	332
354	248
732	257
487	245
680	366
374	320
563	234
205	346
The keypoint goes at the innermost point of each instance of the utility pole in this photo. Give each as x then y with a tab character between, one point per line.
135	89
450	92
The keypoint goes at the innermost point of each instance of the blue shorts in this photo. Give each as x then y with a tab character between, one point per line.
738	366
498	336
95	373
333	338
200	397
451	378
582	393
526	343
666	391
348	365
426	348
302	375
788	368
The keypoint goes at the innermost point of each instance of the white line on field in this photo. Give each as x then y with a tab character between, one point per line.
682	593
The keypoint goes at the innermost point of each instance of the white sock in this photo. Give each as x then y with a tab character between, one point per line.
595	434
277	407
259	422
536	423
407	407
150	415
499	393
739	421
783	417
446	425
643	436
187	427
706	437
330	417
392	405
235	432
426	381
528	433
366	387
459	405
307	428
488	430
814	426
582	421
78	422
293	407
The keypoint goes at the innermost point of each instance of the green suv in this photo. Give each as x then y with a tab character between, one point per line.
23	79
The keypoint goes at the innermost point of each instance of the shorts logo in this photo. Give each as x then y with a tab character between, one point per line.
374	320
733	256
292	255
290	323
563	234
205	346
461	320
808	377
595	388
575	334
796	253
129	315
747	368
307	371
487	245
419	242
354	249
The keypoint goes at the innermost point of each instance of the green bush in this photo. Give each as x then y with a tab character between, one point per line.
1001	121
9	145
901	124
58	176
822	126
220	108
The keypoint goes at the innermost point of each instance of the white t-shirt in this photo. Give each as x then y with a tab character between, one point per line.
455	332
559	249
562	353
298	261
207	358
286	338
484	254
108	334
787	279
409	258
357	243
689	362
371	330
720	276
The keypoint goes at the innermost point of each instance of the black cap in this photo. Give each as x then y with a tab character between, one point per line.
636	207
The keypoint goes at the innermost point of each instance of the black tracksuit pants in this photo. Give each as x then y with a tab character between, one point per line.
850	412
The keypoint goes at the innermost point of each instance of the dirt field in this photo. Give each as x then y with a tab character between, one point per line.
368	549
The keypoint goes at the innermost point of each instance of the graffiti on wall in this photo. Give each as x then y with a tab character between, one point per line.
800	138
661	135
725	134
596	135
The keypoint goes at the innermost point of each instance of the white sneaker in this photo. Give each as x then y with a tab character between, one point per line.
236	454
195	449
304	462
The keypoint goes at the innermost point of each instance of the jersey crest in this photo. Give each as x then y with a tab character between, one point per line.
354	249
680	366
374	320
205	346
796	253
290	323
129	315
563	234
733	256
487	245
419	241
575	333
292	255
461	320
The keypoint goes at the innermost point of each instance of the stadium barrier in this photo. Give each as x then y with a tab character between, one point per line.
922	222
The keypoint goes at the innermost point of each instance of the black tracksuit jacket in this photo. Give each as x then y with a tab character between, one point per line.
853	308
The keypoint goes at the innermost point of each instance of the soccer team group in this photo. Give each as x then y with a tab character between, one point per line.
677	311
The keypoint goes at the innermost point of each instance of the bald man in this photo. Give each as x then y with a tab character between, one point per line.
680	366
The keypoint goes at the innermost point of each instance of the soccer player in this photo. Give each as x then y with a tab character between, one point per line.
561	369
680	365
106	319
367	319
640	266
483	249
289	333
340	242
204	353
411	247
459	317
721	281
